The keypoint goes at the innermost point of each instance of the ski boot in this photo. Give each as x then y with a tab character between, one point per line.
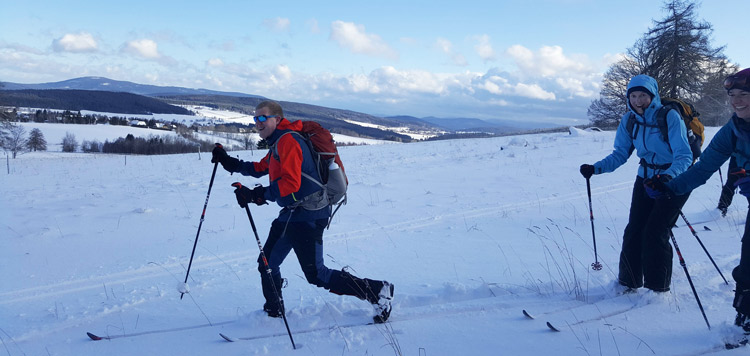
383	306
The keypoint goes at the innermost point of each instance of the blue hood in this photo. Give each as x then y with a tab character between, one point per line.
649	83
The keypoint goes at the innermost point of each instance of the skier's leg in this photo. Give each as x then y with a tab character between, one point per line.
657	252
741	275
276	249
631	268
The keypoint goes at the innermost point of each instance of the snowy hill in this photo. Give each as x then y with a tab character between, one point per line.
471	232
106	84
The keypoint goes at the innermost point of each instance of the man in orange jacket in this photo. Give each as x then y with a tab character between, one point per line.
303	217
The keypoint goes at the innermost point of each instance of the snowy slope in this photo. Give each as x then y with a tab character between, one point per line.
470	232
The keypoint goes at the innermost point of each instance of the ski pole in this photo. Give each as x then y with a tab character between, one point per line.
238	185
704	247
721	177
596	266
203	215
684	267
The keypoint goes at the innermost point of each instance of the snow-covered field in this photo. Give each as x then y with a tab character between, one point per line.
54	133
471	232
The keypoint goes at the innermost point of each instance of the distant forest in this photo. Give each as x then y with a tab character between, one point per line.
75	100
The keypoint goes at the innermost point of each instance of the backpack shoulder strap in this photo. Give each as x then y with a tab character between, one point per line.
275	150
630	128
630	125
661	121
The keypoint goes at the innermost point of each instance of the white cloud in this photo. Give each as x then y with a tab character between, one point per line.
533	91
75	42
548	61
484	48
282	73
149	50
215	62
279	24
446	47
354	38
520	53
144	48
312	25
494	84
577	87
550	74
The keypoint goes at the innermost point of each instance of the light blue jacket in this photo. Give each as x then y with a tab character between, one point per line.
647	139
722	147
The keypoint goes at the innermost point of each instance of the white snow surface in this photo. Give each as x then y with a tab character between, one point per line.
470	232
54	133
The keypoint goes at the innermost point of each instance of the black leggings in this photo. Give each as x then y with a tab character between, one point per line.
646	257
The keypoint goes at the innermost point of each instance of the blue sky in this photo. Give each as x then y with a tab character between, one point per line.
533	60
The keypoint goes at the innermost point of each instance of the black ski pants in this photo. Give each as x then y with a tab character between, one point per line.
646	256
306	239
741	273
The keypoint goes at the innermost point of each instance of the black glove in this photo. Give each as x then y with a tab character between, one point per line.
230	164
656	186
246	195
587	170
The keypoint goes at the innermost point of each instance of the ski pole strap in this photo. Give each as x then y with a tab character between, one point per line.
654	166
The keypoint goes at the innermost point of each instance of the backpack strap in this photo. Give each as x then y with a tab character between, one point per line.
661	121
317	196
630	127
274	150
737	151
654	166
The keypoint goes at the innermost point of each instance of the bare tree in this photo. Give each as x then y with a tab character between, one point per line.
677	52
713	104
69	143
606	111
248	142
12	138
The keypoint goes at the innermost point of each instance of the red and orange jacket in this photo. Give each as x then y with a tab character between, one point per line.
286	184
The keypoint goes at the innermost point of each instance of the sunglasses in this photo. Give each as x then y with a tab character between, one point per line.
736	81
263	118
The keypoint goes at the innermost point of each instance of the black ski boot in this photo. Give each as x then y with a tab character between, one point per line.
723	208
743	321
273	310
274	305
383	306
377	293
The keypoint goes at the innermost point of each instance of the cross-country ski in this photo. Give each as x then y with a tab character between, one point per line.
296	332
108	336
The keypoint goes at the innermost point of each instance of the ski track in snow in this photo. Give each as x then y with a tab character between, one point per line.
158	272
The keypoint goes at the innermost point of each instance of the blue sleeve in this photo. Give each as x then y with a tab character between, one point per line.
254	169
623	148
718	151
682	155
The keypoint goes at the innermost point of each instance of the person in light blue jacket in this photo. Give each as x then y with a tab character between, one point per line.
646	256
732	140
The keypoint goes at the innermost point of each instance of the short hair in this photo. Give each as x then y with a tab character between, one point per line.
273	107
